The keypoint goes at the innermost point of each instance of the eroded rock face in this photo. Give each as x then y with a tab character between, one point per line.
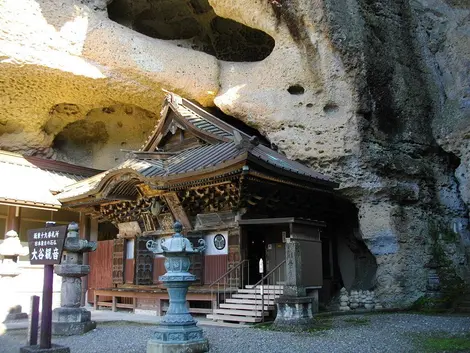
372	92
193	24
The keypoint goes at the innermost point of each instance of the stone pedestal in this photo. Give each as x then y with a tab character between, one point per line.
154	346
294	311
177	331
299	303
70	319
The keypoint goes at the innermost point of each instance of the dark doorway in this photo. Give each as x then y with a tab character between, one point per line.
256	251
261	241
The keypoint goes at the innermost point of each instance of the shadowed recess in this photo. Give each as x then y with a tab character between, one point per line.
193	24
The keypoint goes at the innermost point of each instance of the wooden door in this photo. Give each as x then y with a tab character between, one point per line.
197	262
118	261
143	261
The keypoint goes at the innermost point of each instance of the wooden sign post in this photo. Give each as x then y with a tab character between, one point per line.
45	248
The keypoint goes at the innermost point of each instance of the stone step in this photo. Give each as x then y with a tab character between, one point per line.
249	301
267	286
234	318
258	291
245	306
240	312
255	296
210	322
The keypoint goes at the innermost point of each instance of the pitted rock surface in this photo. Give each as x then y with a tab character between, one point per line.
373	93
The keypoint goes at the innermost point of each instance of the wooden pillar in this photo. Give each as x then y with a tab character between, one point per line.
13	219
84	233
234	255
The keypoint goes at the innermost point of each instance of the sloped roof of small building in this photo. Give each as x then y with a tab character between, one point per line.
226	146
33	181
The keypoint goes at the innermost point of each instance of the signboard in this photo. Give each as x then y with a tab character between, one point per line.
46	245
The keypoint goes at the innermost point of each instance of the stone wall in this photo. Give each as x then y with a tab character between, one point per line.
372	92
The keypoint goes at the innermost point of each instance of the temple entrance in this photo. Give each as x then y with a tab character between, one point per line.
264	242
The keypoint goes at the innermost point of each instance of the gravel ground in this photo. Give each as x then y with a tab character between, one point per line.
370	333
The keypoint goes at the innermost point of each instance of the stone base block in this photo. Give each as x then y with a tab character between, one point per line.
178	333
72	328
15	313
64	314
154	346
71	321
294	312
36	349
174	338
16	316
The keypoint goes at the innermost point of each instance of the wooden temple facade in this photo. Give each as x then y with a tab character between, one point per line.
244	198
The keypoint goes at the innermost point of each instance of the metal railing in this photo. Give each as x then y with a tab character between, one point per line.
273	278
235	275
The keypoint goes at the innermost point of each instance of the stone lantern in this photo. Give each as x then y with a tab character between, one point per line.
177	331
70	318
10	249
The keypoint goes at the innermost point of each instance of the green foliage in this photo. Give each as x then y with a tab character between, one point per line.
319	324
442	342
359	321
452	286
430	305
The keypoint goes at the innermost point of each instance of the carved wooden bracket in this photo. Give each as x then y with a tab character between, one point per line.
177	209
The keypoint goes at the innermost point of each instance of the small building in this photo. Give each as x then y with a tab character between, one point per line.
245	199
28	199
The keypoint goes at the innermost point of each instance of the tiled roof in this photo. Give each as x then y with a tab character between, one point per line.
227	144
193	160
200	122
280	161
33	181
198	158
194	116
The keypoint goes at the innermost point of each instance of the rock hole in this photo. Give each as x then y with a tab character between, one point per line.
296	90
193	24
330	108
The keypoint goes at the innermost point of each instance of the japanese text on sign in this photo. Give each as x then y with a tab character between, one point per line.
46	245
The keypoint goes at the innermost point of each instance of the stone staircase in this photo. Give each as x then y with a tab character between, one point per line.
245	305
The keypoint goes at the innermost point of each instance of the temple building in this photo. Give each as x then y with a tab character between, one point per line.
235	191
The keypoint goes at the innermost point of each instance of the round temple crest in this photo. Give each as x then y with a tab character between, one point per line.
219	242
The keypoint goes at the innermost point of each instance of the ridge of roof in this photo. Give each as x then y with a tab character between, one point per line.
33	181
193	115
46	164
